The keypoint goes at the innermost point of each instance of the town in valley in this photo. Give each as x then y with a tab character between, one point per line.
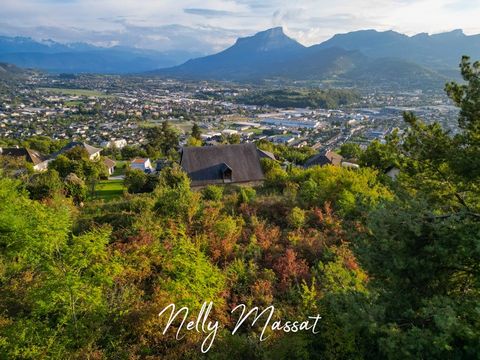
108	111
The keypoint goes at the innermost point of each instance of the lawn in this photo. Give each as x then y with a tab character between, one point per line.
120	168
109	189
74	92
255	131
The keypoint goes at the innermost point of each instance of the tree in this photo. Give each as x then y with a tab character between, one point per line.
442	166
425	277
44	185
163	138
379	156
422	249
196	132
77	153
112	151
44	144
130	152
30	230
174	176
64	166
350	151
466	96
75	188
194	141
135	181
54	284
14	166
175	199
351	191
189	277
233	139
290	269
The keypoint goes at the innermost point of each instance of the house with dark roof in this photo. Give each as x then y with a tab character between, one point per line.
325	158
222	164
40	163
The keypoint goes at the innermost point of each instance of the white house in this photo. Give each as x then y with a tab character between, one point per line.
93	152
110	165
119	144
141	164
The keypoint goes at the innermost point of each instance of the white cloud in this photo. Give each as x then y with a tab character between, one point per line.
210	25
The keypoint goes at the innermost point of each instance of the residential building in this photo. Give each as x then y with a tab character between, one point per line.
141	164
110	165
222	164
93	152
40	163
119	144
325	158
263	154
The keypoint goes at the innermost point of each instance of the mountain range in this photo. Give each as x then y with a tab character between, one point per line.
365	56
85	58
10	71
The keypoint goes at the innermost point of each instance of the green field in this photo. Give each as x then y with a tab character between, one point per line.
109	189
73	103
120	168
74	92
255	131
184	126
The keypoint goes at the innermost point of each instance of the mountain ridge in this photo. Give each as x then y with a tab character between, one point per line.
11	71
344	57
266	54
441	52
53	56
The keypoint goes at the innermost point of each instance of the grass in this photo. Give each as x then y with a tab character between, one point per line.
185	126
148	124
255	131
120	168
109	189
74	92
73	103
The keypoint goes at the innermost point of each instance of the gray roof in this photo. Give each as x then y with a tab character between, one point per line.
211	164
31	156
109	163
325	158
89	148
264	154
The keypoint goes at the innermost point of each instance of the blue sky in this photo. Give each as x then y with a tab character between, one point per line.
211	25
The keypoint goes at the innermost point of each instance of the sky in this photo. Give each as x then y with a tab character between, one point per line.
207	26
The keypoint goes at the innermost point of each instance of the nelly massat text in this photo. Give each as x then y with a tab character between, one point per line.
202	323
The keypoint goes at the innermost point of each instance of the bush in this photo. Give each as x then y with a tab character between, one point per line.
212	192
44	185
135	181
75	188
296	218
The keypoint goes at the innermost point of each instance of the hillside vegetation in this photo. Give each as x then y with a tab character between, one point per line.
324	99
391	266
